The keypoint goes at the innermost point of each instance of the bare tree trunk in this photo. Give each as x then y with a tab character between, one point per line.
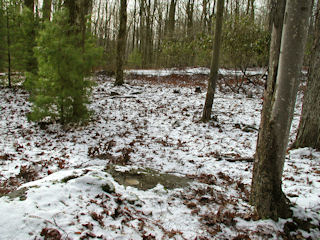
8	49
121	43
29	4
190	9
204	16
134	25
2	35
277	24
142	30
78	10
46	9
212	82
267	195
159	33
148	46
211	15
252	10
236	12
309	127
96	25
171	21
106	26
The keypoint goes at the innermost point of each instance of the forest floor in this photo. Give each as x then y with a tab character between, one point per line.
145	167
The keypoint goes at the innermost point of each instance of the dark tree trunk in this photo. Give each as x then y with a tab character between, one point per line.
8	49
148	43
97	23
252	10
46	9
2	36
171	21
212	82
309	127
211	15
267	196
277	23
142	30
73	9
204	16
134	25
31	62
78	9
190	8
29	4
121	43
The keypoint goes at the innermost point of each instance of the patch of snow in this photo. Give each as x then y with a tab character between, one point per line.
163	132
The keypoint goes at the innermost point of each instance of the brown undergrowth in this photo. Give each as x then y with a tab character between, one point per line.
173	79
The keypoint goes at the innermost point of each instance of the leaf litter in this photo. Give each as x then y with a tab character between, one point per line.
54	183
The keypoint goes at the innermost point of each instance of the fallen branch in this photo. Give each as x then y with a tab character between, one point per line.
238	159
123	97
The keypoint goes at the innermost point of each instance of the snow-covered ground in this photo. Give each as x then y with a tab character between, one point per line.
59	172
191	71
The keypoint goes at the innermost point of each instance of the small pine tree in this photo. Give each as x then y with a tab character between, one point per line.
60	91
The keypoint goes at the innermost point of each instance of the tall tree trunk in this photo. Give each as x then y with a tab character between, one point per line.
277	24
106	26
78	9
190	33
171	21
148	43
190	9
248	7
2	36
267	196
46	9
134	25
204	15
212	82
8	48
142	30
309	127
31	62
252	10
236	12
121	43
211	15
96	25
29	4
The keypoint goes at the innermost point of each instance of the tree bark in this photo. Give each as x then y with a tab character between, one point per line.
212	82
2	36
190	10
252	15
29	4
204	16
121	43
46	9
8	48
171	21
142	30
266	194
309	127
277	24
78	10
148	38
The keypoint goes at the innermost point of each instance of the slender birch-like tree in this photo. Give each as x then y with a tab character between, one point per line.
267	195
121	43
212	82
309	127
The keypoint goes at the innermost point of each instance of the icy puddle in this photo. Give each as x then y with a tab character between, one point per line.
146	178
